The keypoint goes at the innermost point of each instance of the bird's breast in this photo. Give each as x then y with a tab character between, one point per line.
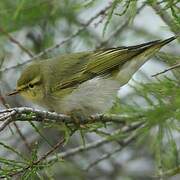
93	96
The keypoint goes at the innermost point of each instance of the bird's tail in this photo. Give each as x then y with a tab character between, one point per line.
166	41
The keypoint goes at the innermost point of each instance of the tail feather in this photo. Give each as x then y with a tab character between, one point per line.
166	41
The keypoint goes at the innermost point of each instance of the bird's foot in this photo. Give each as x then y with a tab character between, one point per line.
79	117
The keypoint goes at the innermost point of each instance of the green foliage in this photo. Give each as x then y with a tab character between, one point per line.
171	5
129	9
161	112
18	12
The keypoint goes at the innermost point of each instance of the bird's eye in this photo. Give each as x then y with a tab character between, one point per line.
31	85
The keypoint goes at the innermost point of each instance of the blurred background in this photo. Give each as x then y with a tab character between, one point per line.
46	28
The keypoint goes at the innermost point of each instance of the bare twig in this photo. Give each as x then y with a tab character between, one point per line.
7	115
13	40
123	143
6	123
60	142
168	69
11	119
22	136
74	151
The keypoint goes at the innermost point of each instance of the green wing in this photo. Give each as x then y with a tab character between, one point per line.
103	62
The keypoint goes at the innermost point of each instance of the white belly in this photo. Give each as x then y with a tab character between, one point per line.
91	97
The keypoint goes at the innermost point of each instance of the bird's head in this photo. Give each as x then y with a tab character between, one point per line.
30	83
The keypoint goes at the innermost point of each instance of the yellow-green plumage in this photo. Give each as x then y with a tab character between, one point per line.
87	81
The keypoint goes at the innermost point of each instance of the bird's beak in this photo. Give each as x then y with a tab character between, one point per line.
13	93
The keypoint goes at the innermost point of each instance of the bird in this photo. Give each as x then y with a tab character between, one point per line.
85	82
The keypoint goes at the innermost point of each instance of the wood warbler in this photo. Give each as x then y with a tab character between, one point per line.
85	81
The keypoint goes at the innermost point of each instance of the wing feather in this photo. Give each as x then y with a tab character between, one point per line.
102	62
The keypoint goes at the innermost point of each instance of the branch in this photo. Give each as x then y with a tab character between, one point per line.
13	40
31	114
168	69
5	124
87	147
123	143
28	146
134	126
166	18
9	120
